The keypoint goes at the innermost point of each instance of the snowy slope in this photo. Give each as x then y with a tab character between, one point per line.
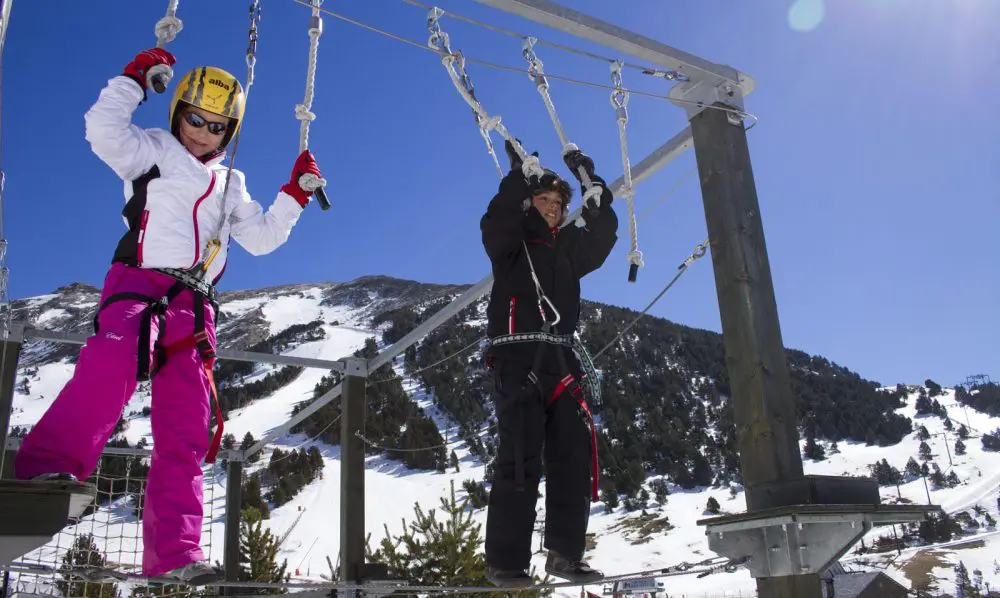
310	521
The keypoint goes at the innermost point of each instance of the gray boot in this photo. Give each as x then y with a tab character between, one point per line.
572	570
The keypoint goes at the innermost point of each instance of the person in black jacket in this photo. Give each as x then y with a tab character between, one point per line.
543	418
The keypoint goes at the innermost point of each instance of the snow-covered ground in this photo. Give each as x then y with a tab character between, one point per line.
311	519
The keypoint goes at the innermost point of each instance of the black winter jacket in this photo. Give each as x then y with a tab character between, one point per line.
561	258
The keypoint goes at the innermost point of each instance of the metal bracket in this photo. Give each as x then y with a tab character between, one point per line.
15	333
696	96
31	513
801	539
355	366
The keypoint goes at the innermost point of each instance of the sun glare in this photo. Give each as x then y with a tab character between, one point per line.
806	15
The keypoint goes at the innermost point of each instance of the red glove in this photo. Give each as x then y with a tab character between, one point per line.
305	164
139	69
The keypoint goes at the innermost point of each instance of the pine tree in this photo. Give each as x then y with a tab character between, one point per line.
84	552
964	588
713	506
438	552
913	468
922	433
959	447
454	461
813	449
259	552
248	441
660	490
923	405
963	432
925	451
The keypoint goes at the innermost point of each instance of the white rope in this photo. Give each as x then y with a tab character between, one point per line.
454	62
303	111
168	27
619	100
536	72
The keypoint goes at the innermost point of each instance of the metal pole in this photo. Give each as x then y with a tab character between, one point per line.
228	354
231	548
352	472
947	448
604	33
763	403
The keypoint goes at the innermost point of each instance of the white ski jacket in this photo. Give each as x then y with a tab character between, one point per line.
174	202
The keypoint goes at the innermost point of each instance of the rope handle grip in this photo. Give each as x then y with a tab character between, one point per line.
315	184
166	30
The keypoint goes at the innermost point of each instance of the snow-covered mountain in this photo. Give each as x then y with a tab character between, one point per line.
650	537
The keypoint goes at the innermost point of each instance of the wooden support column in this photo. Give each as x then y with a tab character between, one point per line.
763	405
231	548
10	352
352	471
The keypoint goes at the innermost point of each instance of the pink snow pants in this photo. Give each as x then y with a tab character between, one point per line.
71	434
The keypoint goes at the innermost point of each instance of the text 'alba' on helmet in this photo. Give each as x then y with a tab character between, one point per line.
213	90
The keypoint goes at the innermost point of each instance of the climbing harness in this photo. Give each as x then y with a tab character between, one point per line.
549	338
149	364
158	77
536	72
619	100
303	112
440	42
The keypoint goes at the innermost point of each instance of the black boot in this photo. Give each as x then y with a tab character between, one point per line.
508	578
577	571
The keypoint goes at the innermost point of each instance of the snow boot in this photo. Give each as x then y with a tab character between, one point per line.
573	570
194	574
509	578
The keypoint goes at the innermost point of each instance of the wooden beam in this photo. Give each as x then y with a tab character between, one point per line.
10	351
352	472
763	405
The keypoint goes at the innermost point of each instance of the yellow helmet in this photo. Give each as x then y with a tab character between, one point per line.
213	90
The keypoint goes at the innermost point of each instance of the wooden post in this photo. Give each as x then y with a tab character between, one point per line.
352	468
231	547
763	405
10	351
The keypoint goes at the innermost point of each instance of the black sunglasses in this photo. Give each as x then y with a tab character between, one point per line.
196	121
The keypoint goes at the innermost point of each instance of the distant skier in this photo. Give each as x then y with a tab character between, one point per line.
156	317
537	269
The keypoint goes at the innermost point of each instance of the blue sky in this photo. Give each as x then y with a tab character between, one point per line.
875	157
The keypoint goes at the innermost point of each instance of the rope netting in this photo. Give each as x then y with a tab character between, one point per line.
109	535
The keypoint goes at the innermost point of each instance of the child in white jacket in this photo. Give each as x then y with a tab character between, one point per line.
156	319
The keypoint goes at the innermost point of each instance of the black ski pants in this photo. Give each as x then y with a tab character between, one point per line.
554	437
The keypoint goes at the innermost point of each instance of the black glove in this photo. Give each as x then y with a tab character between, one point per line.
575	159
515	160
606	197
515	187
